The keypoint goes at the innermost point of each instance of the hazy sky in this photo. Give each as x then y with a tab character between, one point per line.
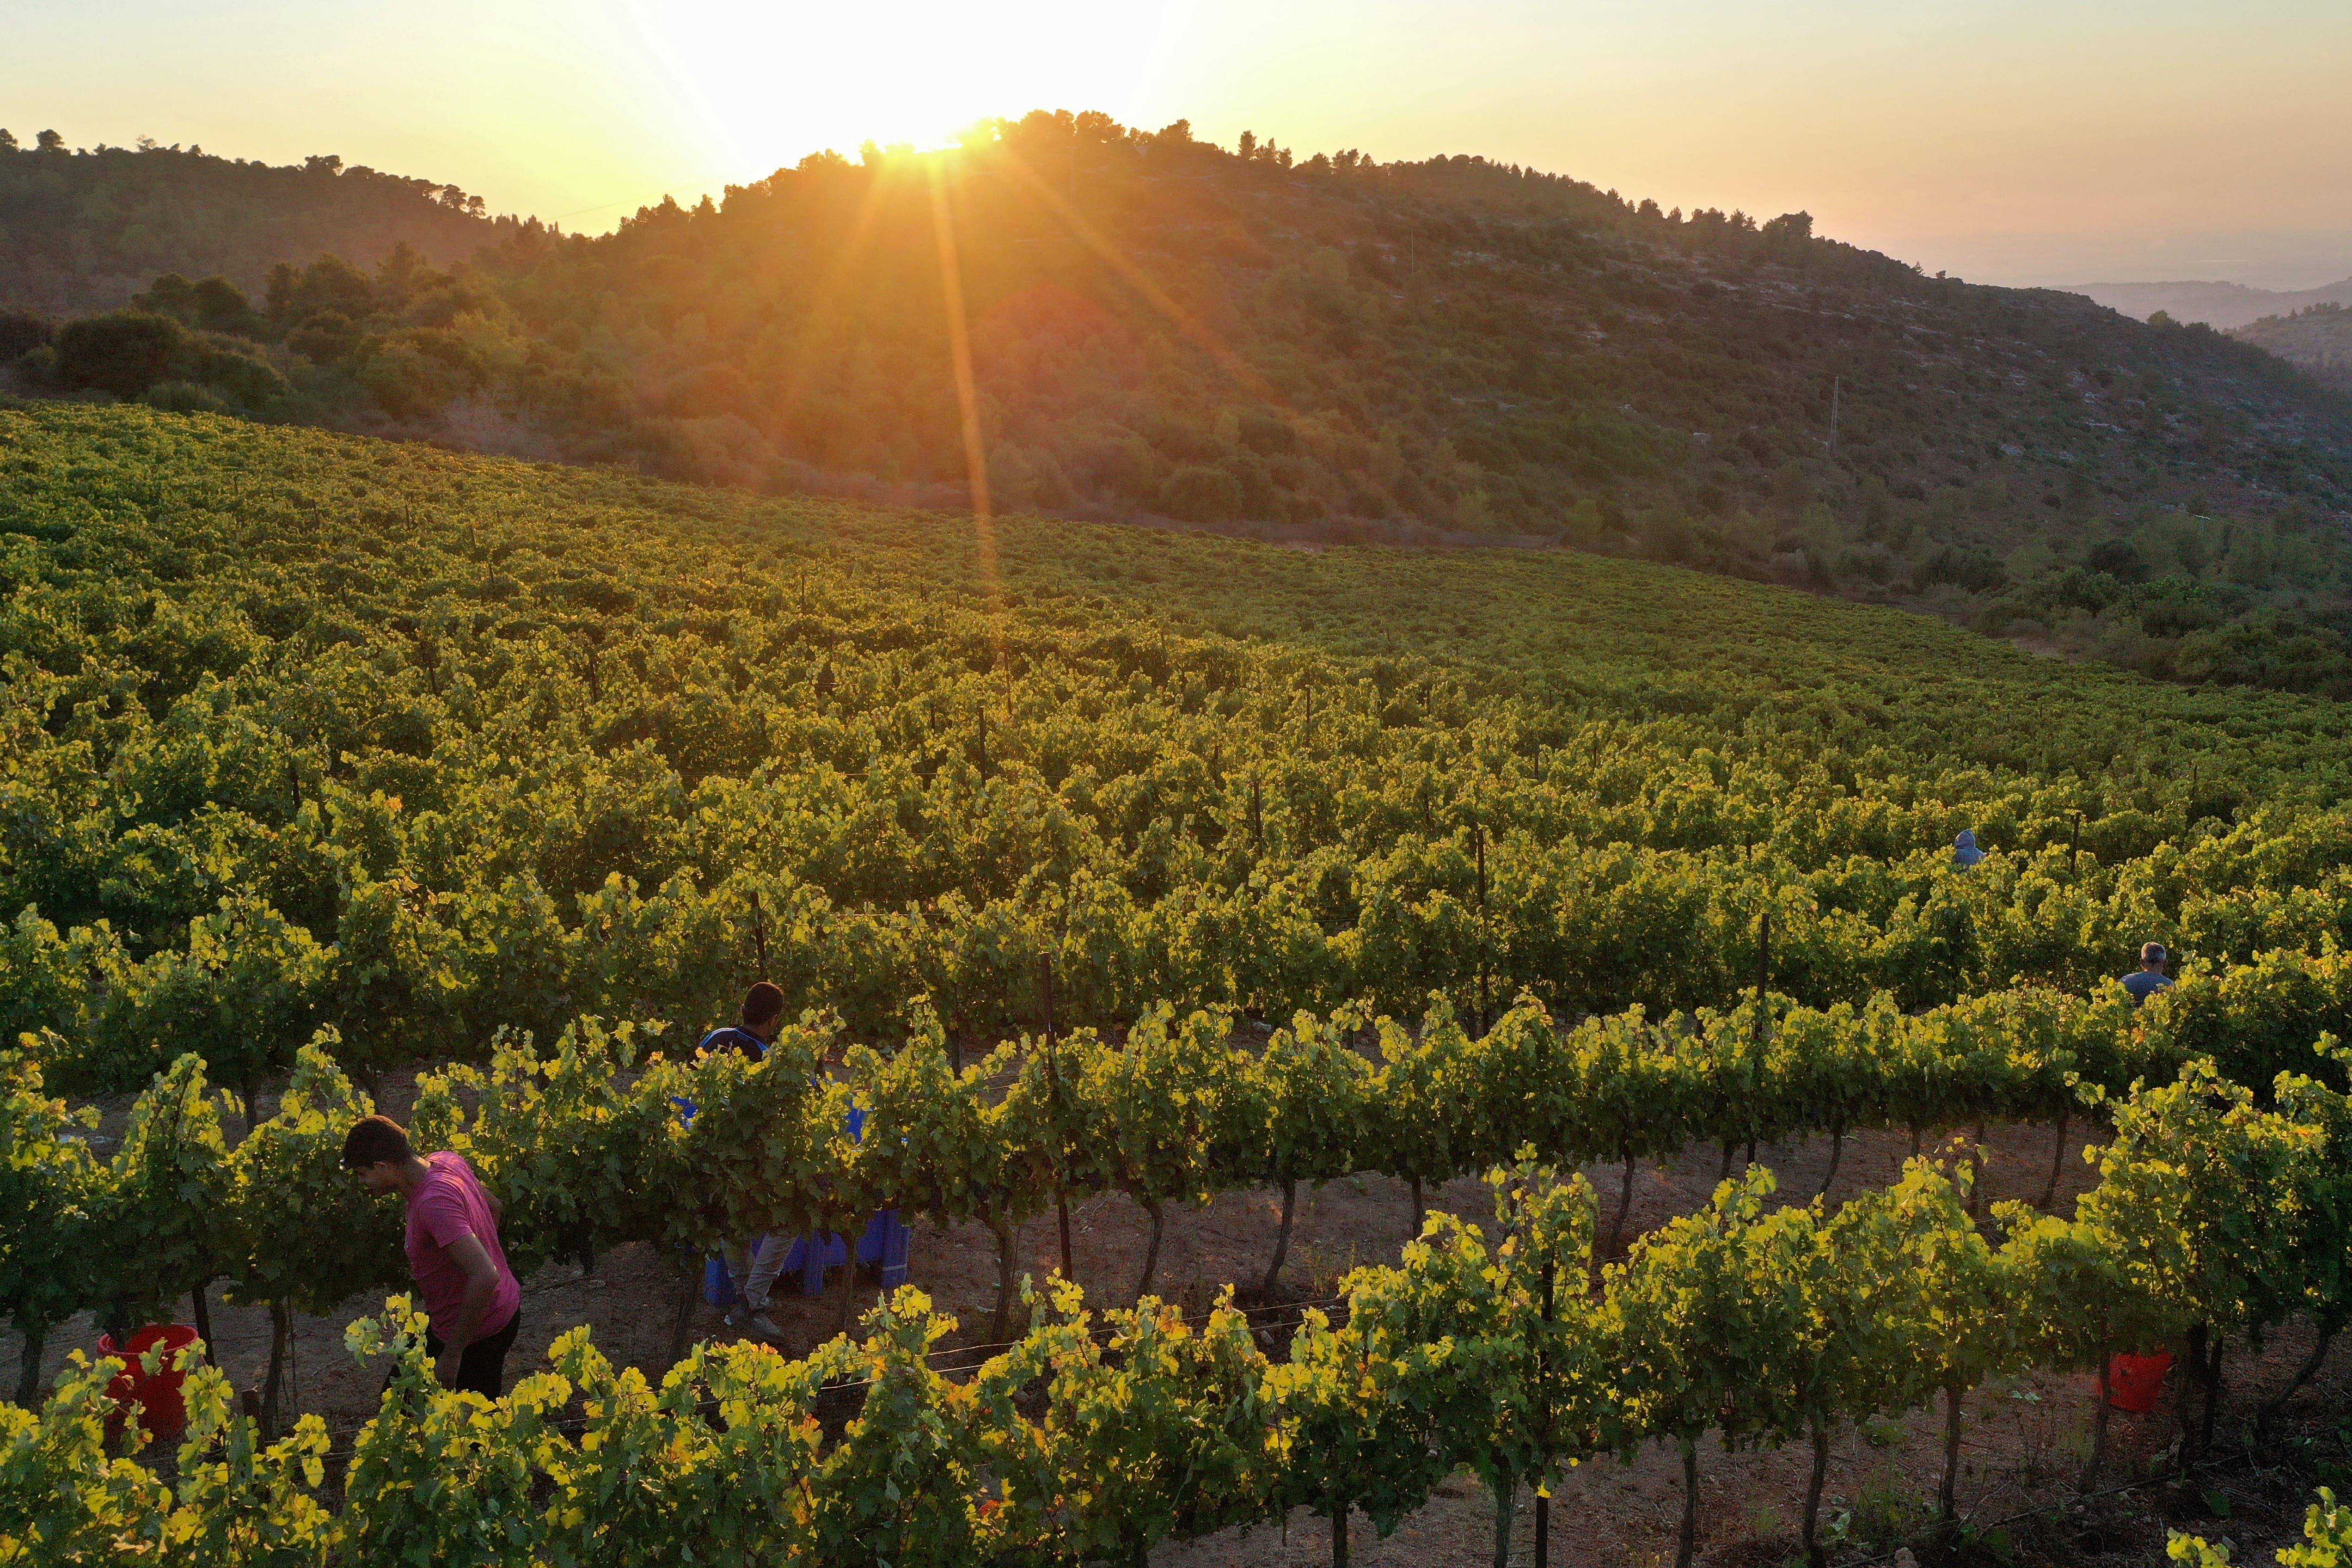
2059	140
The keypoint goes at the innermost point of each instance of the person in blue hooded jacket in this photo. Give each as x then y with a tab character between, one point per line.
754	1261
1965	852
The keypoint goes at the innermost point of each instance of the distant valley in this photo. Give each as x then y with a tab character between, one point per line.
2222	306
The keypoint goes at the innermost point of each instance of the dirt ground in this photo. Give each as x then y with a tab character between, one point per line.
2025	1439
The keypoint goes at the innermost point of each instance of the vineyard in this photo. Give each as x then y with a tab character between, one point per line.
332	760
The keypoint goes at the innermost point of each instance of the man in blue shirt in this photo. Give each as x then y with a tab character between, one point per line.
2150	978
761	1014
753	1262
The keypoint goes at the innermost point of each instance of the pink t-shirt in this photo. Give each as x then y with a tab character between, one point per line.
450	1204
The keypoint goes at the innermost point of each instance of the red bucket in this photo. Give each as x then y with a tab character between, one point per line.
161	1410
2135	1382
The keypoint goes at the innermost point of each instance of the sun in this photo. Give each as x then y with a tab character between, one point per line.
767	83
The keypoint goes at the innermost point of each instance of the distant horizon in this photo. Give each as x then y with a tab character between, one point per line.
2296	273
2341	275
2006	142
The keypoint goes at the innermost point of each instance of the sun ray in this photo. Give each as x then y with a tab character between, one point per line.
975	456
797	376
1183	321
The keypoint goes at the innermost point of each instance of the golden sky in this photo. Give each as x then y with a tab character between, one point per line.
2061	141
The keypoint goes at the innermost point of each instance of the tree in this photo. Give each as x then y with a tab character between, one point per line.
124	353
1196	494
1362	1408
2203	1196
1414	1110
172	1181
2326	1231
439	1476
53	1194
242	1503
212	305
66	1498
305	1233
243	994
1967	1329
1155	1110
1848	1357
943	1143
1699	1317
651	1476
1527	1388
1154	1428
21	331
2078	1307
901	1489
1306	1103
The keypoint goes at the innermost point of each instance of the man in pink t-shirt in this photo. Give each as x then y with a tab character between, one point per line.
473	1303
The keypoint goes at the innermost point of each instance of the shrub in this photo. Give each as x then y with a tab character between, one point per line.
125	353
185	397
1199	494
21	333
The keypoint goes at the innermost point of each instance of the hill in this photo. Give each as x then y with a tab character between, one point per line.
2221	305
1139	326
367	760
83	231
2317	338
423	746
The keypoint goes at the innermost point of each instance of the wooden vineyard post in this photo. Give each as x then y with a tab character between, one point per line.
2075	844
1763	966
1543	1418
1485	1004
758	934
1053	1086
983	745
204	1316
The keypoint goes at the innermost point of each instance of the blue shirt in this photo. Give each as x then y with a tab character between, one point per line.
731	1038
2144	984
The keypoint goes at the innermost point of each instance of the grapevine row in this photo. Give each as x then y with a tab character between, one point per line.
301	731
1485	1351
584	1144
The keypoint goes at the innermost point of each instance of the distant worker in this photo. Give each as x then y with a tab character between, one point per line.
1965	852
753	1263
2150	978
756	1025
473	1303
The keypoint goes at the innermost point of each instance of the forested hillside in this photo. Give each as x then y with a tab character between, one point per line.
85	230
2317	338
1327	348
